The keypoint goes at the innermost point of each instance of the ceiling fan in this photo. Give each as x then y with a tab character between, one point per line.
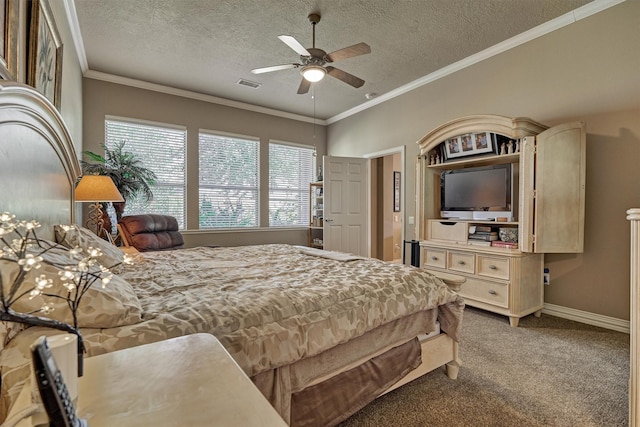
313	61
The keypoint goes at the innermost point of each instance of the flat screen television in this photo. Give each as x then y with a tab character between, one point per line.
481	193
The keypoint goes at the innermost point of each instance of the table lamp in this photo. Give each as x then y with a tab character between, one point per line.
97	189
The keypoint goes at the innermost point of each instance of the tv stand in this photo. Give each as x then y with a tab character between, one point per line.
477	215
547	210
504	281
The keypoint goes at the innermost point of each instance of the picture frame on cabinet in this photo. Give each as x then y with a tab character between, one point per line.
452	147
482	143
396	191
45	53
469	144
9	16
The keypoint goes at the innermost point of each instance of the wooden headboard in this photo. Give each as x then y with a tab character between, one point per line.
38	163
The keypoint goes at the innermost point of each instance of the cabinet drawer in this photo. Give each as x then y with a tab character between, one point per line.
497	267
448	231
486	291
435	258
461	261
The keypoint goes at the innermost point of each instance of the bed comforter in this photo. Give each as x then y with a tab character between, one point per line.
269	305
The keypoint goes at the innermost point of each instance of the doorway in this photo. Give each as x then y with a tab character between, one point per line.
387	204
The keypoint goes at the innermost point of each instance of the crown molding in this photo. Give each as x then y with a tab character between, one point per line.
140	84
76	35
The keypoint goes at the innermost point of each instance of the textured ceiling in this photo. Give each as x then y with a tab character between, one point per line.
206	46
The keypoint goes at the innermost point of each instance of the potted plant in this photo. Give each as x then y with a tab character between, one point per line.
127	172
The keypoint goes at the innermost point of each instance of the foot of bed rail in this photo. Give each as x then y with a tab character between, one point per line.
452	368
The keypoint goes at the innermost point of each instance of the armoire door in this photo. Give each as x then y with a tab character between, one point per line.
552	190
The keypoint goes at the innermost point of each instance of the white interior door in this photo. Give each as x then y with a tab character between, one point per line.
345	204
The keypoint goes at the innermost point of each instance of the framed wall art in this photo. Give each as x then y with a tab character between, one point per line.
45	53
9	15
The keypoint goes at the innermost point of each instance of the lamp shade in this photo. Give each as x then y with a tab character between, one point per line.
97	188
313	73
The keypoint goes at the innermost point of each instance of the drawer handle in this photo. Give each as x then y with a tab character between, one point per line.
493	267
434	258
461	262
492	292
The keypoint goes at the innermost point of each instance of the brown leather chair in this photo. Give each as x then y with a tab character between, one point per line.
150	232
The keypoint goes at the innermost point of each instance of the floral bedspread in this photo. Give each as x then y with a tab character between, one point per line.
269	305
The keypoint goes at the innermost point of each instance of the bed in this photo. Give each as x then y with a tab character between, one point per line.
321	334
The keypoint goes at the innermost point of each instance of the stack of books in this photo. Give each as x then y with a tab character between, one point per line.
507	245
482	235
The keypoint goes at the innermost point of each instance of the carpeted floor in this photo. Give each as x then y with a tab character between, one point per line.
547	372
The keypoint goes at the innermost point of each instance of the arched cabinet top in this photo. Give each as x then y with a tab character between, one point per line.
514	128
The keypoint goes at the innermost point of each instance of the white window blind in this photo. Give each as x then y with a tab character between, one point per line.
290	172
229	181
161	149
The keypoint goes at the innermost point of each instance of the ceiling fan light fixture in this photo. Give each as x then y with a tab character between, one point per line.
313	73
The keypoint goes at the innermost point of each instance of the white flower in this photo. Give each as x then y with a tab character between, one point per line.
106	279
43	282
75	251
6	223
6	217
46	308
67	274
29	225
69	285
29	262
94	252
83	265
34	293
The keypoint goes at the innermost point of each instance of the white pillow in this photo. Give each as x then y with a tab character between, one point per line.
114	305
73	236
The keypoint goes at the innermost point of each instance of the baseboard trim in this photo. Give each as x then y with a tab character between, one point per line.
587	317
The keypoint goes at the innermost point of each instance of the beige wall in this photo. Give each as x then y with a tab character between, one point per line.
71	97
588	71
104	98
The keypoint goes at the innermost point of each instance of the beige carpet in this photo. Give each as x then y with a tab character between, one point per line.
547	372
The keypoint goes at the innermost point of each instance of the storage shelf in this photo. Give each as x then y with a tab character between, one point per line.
479	221
478	161
316	213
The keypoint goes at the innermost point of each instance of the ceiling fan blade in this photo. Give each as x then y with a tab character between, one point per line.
274	68
304	86
349	52
295	45
349	79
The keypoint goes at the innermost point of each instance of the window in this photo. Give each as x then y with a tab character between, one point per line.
162	149
229	178
290	172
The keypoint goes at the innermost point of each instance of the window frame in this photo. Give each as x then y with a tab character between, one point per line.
182	222
304	190
257	188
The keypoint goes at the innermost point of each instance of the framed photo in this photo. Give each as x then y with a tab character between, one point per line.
396	191
45	53
482	142
468	144
9	15
452	147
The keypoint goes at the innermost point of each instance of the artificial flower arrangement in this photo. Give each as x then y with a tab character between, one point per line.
78	270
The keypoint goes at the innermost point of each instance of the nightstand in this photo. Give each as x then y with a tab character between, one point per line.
184	381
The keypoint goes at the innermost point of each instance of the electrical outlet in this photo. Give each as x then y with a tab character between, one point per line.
411	220
547	277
